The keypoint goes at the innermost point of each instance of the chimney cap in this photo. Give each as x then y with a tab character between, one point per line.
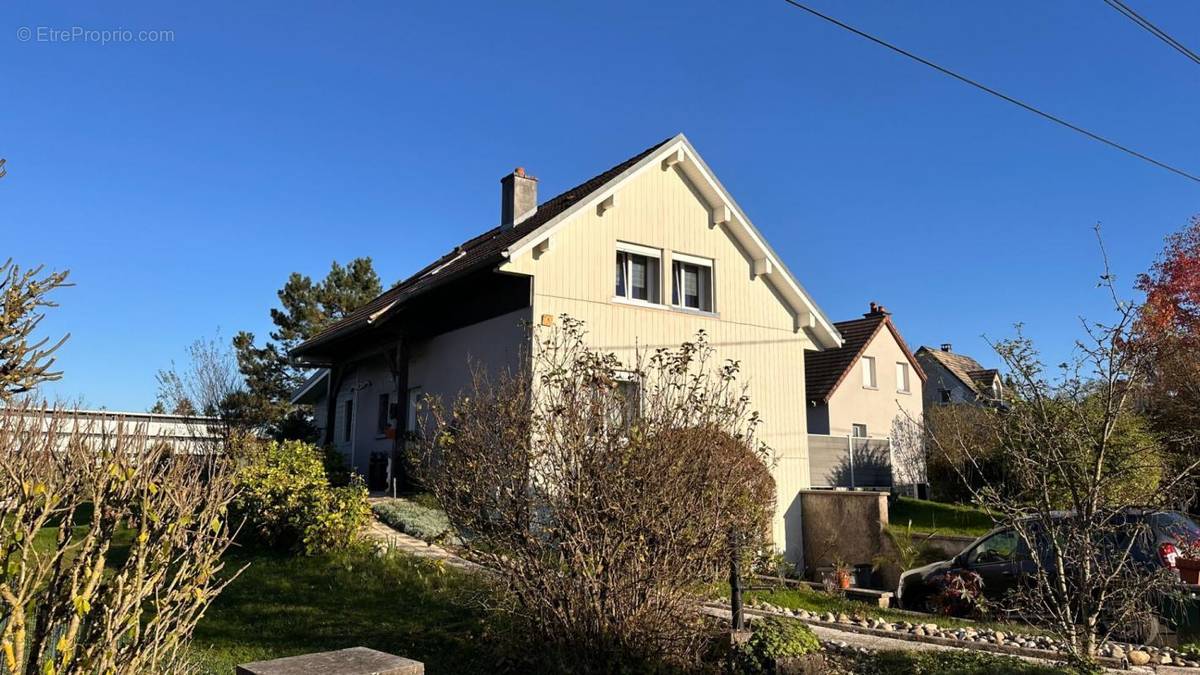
946	346
519	172
877	309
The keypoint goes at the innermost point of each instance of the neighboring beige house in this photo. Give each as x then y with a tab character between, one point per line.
646	253
958	378
855	396
860	389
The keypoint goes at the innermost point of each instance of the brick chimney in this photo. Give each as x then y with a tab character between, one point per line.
518	198
876	310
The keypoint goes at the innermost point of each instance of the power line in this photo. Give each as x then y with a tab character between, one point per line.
1154	30
1021	104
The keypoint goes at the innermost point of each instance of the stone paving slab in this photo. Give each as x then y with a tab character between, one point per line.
377	531
352	661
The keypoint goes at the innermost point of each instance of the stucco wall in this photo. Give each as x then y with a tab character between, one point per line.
842	525
576	276
440	366
852	403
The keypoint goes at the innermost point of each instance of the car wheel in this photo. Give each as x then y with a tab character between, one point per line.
1144	631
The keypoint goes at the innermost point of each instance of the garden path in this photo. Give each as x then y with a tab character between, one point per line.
377	531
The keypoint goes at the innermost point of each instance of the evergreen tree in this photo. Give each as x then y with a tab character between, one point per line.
307	307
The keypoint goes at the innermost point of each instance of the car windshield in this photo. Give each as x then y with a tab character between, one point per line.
1174	525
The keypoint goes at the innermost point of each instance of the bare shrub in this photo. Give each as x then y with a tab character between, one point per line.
73	598
603	493
1081	483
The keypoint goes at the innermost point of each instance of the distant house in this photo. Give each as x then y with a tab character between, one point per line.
861	388
646	254
958	378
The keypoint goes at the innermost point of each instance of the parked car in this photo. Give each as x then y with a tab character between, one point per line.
1003	561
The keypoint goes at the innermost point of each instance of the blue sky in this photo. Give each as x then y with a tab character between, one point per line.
182	181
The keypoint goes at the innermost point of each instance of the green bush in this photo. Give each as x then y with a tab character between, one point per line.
288	501
771	640
415	517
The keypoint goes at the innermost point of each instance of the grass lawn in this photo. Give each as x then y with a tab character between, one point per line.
287	605
927	516
817	601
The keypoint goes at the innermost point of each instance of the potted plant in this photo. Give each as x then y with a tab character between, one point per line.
1187	559
841	574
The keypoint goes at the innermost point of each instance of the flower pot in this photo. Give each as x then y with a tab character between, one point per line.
843	579
1189	570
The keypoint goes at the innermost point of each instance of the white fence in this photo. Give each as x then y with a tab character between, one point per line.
849	462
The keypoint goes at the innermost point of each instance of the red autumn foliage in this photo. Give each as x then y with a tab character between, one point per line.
1172	286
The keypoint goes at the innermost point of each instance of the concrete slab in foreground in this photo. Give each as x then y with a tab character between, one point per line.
353	661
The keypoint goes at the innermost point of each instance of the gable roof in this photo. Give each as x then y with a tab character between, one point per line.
825	370
480	251
500	244
964	368
678	152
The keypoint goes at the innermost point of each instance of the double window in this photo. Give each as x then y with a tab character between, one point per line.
639	278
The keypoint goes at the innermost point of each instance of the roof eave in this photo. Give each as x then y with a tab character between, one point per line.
679	152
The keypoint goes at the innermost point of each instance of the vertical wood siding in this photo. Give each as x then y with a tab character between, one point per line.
576	275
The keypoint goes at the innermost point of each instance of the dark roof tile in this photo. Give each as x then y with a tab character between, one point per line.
471	254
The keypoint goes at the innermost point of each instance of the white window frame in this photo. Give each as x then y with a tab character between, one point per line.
870	375
677	285
656	285
903	386
854	429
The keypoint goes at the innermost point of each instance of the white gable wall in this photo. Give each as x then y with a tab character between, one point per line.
576	275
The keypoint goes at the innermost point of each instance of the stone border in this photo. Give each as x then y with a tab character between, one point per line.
1041	654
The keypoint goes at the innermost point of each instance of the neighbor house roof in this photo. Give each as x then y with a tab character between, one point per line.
825	370
966	369
500	243
472	254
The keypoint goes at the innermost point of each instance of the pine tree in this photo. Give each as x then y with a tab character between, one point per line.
307	307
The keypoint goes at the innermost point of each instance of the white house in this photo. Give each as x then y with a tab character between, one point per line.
646	253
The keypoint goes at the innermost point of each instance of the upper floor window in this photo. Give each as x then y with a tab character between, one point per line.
902	378
692	282
868	372
945	394
638	273
858	430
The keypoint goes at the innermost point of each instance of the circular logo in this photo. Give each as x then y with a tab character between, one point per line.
23	33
